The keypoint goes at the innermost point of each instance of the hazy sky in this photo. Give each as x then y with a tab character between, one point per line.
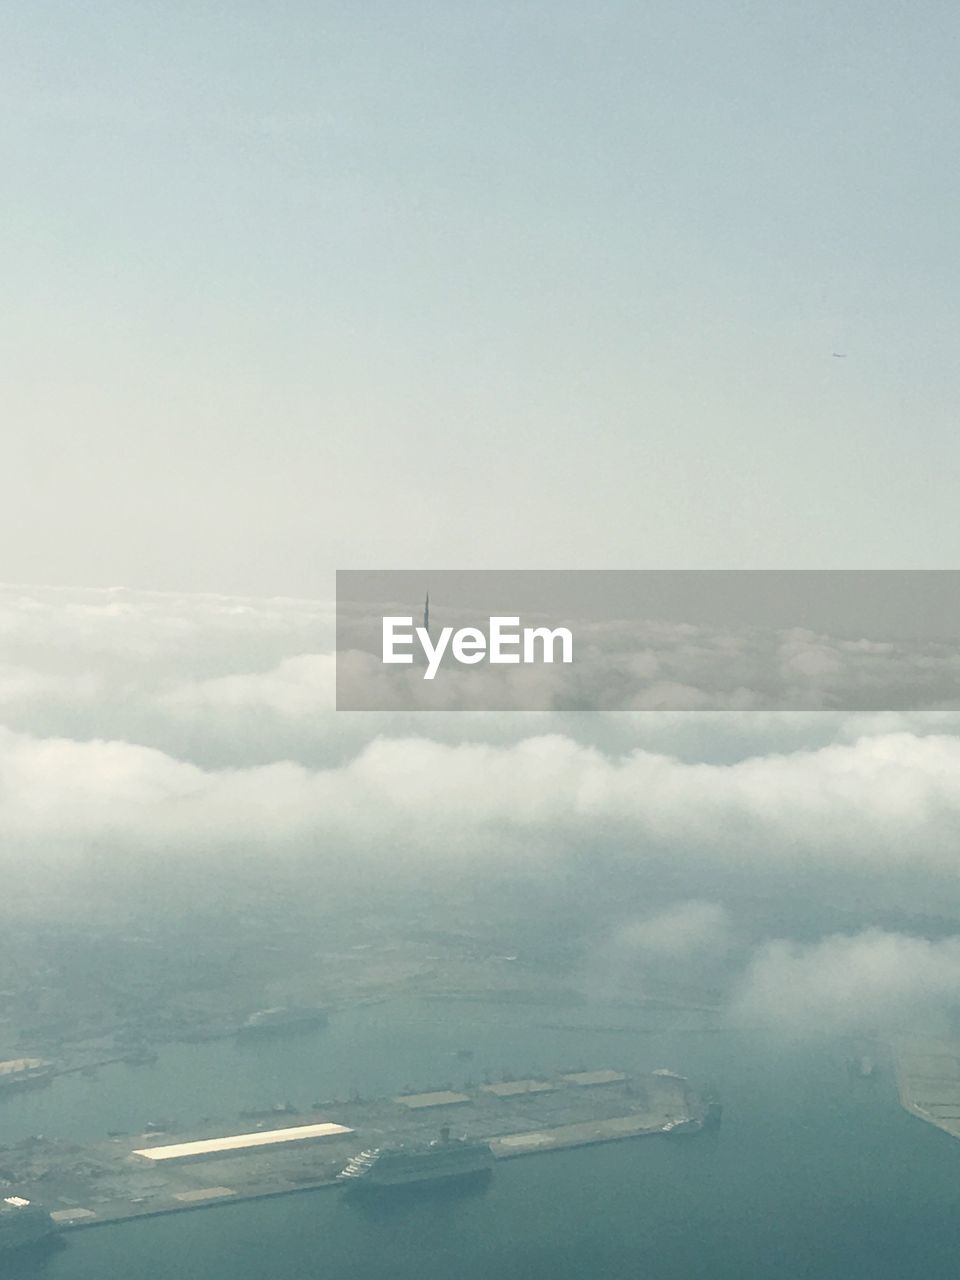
311	285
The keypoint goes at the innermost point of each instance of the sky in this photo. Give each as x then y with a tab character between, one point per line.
323	285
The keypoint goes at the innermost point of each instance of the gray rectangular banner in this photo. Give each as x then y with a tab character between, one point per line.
664	640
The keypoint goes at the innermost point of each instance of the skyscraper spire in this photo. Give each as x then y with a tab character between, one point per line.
426	614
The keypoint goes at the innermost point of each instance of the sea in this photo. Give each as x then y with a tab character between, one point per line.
814	1173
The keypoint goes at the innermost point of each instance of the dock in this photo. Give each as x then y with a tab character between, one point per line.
153	1173
928	1078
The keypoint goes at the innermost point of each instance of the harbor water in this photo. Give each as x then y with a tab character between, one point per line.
814	1173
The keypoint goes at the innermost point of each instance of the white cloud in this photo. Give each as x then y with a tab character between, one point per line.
156	631
683	942
683	931
159	722
870	981
881	802
296	687
21	685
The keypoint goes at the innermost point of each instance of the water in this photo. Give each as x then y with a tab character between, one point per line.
812	1174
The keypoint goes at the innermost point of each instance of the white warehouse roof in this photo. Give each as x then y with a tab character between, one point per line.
241	1142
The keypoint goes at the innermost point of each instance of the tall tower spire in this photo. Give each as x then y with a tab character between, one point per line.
426	614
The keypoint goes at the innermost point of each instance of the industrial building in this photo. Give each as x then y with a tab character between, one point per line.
589	1079
241	1143
510	1088
439	1098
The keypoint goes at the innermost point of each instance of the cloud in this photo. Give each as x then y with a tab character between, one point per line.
683	931
882	802
866	982
685	942
158	729
186	725
296	687
231	679
644	664
20	685
155	633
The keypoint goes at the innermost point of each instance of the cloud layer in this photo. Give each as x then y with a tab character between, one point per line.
866	982
160	730
891	801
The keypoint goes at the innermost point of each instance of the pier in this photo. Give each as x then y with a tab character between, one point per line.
928	1078
134	1177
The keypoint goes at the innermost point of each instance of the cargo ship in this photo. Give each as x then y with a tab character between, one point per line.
277	1021
22	1224
443	1160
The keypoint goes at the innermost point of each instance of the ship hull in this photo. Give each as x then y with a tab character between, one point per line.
447	1162
412	1181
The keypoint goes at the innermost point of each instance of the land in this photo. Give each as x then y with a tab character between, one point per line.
114	986
928	1077
107	1182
